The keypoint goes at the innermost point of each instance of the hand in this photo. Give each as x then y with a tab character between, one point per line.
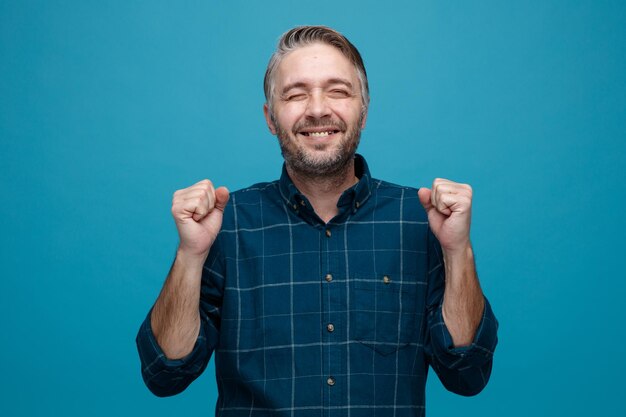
198	212
449	209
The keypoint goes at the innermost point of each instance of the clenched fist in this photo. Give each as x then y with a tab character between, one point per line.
449	209
198	212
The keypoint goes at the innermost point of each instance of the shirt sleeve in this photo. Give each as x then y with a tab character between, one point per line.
465	370
166	377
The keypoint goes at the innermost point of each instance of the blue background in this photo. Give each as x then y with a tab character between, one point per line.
107	107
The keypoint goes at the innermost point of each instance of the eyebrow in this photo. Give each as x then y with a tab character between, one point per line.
331	81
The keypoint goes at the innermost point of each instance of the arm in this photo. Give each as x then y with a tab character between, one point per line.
462	327
449	206
463	301
172	341
175	317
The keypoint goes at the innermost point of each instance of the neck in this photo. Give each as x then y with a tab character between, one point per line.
323	192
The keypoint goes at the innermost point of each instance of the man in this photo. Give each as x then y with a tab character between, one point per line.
326	292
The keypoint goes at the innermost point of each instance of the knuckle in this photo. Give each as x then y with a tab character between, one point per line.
197	202
175	212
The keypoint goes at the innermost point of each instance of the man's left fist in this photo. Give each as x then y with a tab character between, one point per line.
449	209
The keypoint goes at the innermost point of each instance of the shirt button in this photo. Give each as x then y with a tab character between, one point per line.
302	203
328	233
330	381
386	279
358	204
330	327
329	277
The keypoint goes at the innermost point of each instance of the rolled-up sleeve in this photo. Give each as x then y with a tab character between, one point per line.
464	370
163	376
166	377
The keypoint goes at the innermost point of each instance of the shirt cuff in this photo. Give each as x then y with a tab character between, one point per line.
154	363
477	353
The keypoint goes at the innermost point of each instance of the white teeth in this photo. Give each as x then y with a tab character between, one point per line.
320	134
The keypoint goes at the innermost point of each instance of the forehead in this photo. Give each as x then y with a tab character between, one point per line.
313	64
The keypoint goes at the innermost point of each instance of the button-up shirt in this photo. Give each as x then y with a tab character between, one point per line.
306	318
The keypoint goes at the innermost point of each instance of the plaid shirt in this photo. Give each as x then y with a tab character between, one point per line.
314	319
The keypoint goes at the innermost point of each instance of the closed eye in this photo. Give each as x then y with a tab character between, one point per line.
296	97
339	93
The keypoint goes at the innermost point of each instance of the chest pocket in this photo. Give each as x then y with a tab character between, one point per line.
385	314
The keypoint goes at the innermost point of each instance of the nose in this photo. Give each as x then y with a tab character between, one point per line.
317	105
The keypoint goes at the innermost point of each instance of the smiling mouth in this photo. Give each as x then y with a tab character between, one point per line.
319	134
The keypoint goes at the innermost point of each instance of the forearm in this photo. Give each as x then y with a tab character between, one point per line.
463	301
175	318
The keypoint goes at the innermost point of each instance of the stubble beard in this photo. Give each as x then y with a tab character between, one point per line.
305	163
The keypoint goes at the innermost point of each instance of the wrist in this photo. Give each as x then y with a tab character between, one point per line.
462	253
190	259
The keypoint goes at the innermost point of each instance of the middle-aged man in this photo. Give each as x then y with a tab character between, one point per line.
326	292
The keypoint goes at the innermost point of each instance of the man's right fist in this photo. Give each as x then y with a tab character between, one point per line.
198	212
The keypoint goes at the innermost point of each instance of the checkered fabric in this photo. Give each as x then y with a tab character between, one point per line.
312	319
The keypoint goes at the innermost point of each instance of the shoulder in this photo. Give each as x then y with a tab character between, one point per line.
403	197
390	188
254	193
248	206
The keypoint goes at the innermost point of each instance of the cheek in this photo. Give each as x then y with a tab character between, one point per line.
350	115
287	116
347	109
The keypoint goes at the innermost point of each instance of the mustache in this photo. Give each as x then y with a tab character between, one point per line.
324	122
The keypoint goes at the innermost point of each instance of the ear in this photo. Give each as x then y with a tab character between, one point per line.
268	119
364	119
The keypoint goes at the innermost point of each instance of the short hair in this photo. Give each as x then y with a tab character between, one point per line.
307	35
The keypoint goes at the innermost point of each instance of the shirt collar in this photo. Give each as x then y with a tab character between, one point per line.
354	196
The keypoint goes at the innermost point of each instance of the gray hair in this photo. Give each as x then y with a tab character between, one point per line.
306	35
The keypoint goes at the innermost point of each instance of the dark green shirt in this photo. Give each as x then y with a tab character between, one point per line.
312	319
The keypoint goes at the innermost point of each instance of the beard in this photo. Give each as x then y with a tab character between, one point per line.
324	160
